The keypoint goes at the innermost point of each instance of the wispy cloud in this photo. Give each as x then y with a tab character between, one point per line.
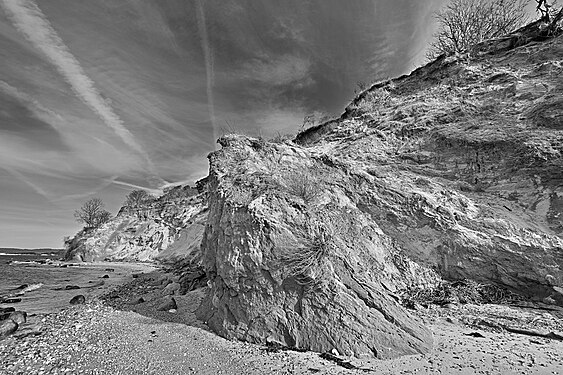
32	23
208	56
28	182
279	70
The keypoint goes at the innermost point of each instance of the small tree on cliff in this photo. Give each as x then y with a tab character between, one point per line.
137	198
463	23
92	213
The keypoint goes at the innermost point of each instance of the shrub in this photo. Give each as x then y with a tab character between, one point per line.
303	184
305	256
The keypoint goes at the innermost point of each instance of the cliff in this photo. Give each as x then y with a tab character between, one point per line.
452	172
168	229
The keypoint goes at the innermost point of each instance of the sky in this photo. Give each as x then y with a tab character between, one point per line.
98	98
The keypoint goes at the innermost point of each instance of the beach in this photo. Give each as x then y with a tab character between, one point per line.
115	333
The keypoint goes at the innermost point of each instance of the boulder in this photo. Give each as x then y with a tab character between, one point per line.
5	312
110	270
71	287
78	300
310	271
7	327
105	277
19	317
11	300
137	301
171	288
168	303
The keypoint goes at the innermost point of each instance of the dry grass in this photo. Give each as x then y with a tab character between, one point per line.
305	256
463	291
303	184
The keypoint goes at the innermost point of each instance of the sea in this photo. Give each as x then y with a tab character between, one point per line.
38	281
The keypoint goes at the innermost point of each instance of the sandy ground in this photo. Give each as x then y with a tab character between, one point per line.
116	337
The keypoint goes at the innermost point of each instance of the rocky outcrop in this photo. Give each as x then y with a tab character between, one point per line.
169	229
454	171
460	163
292	260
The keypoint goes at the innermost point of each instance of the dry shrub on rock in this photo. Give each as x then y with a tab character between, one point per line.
305	254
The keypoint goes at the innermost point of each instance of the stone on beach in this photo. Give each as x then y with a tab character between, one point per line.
8	327
19	317
5	312
168	304
137	301
78	300
171	288
12	300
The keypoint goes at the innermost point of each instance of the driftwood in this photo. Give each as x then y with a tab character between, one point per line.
530	332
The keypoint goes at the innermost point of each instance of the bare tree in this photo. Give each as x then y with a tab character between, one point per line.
544	8
463	23
136	198
92	213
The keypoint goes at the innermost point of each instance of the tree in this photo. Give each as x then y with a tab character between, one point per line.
136	198
92	213
544	8
463	23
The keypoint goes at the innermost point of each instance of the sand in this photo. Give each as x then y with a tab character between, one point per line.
111	336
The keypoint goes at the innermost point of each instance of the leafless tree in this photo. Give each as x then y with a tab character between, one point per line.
545	9
136	198
462	23
92	213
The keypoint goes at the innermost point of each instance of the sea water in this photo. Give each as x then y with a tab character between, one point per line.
42	286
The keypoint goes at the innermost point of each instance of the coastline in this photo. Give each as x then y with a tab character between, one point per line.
113	333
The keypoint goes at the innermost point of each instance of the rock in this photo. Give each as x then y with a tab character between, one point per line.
137	301
23	286
7	327
71	287
305	274
171	288
169	303
105	277
110	270
78	300
11	300
137	275
6	309
19	317
172	311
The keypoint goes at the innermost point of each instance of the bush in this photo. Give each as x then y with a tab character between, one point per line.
305	256
302	184
373	101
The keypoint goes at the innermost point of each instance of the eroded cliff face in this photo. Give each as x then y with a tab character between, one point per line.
454	172
167	229
463	162
292	260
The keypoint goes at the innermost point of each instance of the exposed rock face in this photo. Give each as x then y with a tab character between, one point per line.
169	228
461	162
296	262
456	167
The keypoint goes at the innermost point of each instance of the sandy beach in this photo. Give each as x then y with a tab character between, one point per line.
115	334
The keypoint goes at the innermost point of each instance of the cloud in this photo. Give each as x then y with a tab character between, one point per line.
208	56
279	70
32	23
